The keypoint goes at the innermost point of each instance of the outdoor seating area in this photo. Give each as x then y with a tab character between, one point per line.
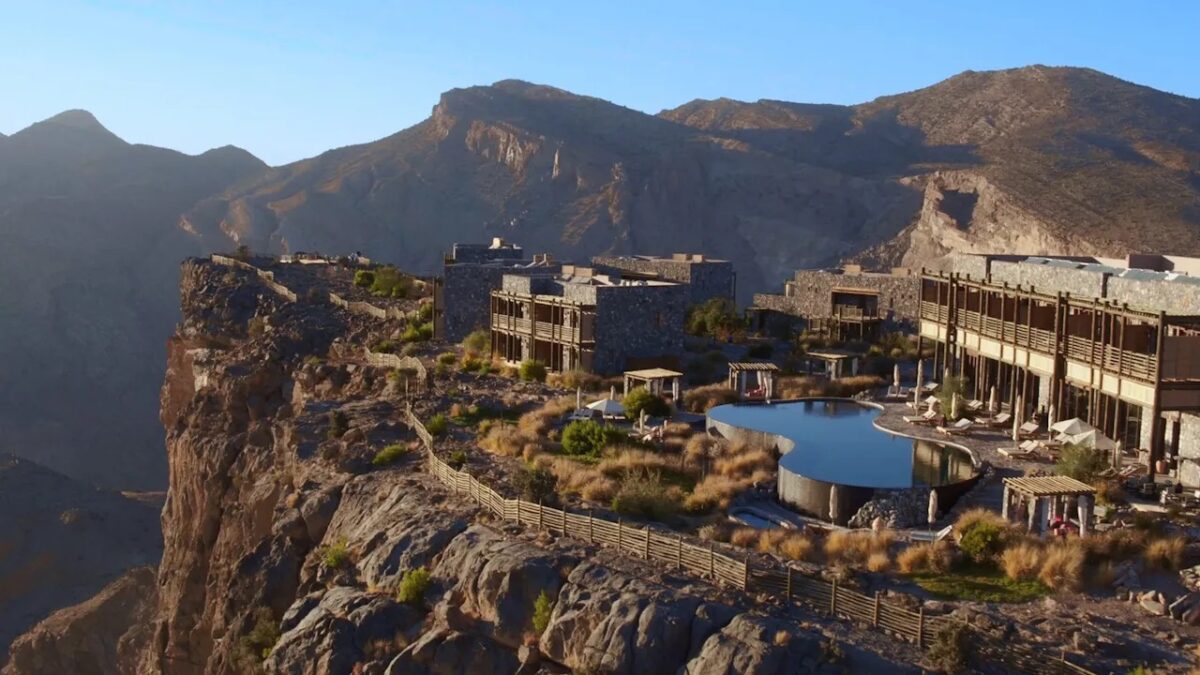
753	379
1044	504
655	380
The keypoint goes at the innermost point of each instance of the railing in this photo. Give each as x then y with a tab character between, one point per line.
780	581
1134	364
852	313
268	278
544	330
934	311
384	360
367	309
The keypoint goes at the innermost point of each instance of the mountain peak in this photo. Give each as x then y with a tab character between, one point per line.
76	119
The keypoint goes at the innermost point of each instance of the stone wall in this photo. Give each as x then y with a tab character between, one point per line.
1172	297
706	278
638	322
466	298
1189	450
1051	279
810	295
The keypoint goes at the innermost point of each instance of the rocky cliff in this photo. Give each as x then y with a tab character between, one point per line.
285	546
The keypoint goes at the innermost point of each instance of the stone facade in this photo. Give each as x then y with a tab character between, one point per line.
809	295
1189	450
1051	279
462	295
706	278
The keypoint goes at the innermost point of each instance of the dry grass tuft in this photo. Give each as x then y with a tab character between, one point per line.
797	546
506	441
745	537
538	422
1062	567
624	459
879	562
782	638
1165	553
936	557
1022	561
973	517
856	548
808	387
700	399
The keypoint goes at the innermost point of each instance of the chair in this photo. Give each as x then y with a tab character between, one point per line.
999	421
1028	429
959	428
974	405
929	417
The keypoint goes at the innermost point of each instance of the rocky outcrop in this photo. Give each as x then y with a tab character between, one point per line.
104	635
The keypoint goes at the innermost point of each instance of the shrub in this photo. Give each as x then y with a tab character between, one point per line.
856	548
447	358
254	647
972	517
537	484
338	425
1165	553
700	399
385	347
933	557
982	542
575	379
641	399
797	546
879	562
1062	567
477	342
1022	561
587	438
413	586
746	537
425	312
951	647
542	609
364	278
335	555
506	441
389	282
417	332
1110	493
717	318
532	371
437	425
642	494
389	454
1081	463
719	531
457	460
256	327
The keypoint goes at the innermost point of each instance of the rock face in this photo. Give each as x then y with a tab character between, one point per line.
104	635
62	541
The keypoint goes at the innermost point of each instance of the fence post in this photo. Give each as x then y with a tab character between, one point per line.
541	514
679	552
591	532
746	573
518	513
875	614
833	598
712	562
620	529
789	586
647	549
921	626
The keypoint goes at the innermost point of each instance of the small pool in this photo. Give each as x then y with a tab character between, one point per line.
834	442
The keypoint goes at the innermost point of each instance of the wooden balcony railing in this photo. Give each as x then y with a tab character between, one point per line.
542	330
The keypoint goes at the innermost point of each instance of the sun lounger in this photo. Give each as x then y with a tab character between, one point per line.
999	421
1026	450
975	405
959	428
929	386
1028	430
929	417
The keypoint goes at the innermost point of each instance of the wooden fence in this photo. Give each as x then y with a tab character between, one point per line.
367	309
705	561
268	278
384	360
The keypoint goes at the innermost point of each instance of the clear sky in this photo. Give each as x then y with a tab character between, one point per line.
288	80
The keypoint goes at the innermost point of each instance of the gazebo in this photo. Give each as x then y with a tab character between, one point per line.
835	362
1055	492
655	381
765	375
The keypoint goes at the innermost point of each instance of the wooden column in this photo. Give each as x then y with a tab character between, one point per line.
1156	435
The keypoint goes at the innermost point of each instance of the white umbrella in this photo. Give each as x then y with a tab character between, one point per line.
578	397
1050	417
1092	439
993	402
834	512
954	406
933	507
642	421
920	376
896	376
1016	415
607	407
1072	427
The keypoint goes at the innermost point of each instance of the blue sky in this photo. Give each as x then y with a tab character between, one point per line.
288	80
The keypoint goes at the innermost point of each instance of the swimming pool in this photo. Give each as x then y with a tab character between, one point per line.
828	442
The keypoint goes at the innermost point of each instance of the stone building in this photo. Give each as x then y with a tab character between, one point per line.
462	295
586	319
1104	340
846	303
705	277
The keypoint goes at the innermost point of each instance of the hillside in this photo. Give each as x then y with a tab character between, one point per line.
88	253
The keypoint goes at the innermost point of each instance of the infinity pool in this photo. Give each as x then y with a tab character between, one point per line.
835	441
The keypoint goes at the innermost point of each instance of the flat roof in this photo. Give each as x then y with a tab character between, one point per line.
653	373
832	355
1049	486
752	365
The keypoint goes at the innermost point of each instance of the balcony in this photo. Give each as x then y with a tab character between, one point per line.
541	330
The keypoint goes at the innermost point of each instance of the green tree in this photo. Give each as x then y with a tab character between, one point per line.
1081	463
543	607
587	438
413	586
533	371
717	318
945	394
639	399
537	484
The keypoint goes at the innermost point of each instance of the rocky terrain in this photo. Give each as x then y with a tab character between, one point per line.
263	494
61	541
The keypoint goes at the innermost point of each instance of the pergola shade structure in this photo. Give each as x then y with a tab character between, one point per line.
1055	492
655	380
765	377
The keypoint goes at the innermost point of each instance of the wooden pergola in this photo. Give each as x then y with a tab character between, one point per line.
765	374
835	362
1054	491
655	381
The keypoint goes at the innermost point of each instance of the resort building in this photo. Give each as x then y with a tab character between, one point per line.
1113	342
462	295
588	319
845	304
705	277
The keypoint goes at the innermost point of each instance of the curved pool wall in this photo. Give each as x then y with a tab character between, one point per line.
810	494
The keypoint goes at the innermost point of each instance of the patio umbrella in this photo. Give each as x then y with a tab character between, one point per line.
920	376
954	406
1072	427
607	407
578	397
933	507
896	376
1092	439
834	512
1016	415
993	402
642	421
1050	417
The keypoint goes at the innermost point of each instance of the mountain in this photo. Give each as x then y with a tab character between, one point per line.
61	541
88	259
